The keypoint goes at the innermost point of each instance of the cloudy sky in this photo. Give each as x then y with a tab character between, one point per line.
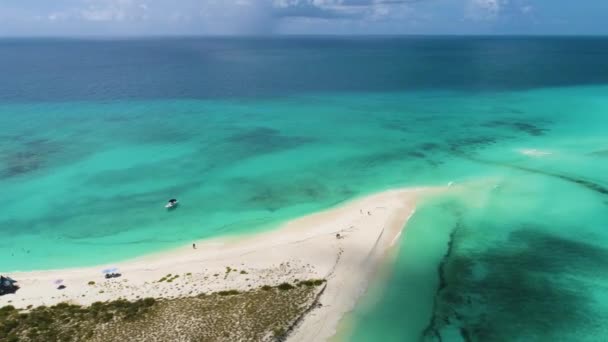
260	17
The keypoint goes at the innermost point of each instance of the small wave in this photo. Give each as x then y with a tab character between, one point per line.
534	152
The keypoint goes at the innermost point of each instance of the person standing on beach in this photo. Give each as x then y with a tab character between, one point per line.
193	246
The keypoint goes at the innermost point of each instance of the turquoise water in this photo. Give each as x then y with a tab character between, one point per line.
535	241
96	136
102	175
516	256
95	184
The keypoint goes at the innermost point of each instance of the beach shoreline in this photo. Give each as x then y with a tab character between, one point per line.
344	245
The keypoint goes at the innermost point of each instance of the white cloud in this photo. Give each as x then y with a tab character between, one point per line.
58	16
114	10
260	16
102	14
102	11
340	9
485	9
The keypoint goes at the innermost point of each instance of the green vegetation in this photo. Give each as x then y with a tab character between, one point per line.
311	282
228	270
228	293
243	272
229	315
67	322
91	283
168	278
285	287
278	333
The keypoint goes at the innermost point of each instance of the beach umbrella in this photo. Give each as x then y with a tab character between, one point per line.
110	270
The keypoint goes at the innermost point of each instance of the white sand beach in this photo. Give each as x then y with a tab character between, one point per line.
304	248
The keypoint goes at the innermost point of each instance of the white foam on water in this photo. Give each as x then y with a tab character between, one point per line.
396	238
532	152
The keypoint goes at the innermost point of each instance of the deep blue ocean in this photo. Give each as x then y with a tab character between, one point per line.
96	135
57	70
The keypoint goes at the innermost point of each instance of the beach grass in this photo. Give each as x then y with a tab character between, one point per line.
264	313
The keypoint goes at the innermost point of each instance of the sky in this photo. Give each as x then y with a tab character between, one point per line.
268	17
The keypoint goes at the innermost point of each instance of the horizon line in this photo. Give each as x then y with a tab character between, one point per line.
302	35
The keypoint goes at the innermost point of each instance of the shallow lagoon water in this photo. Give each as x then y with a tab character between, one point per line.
101	175
86	173
514	255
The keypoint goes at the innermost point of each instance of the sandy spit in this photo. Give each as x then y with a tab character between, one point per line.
304	248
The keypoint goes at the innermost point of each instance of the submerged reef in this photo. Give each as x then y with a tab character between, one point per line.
533	286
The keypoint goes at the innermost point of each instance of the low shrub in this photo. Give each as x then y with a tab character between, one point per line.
107	316
278	332
285	287
228	293
311	282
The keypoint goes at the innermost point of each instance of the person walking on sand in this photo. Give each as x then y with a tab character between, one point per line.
193	246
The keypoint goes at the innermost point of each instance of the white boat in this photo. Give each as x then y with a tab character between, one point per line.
171	204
